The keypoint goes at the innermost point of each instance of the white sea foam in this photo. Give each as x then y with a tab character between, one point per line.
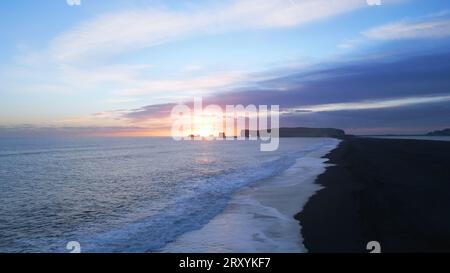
260	217
138	195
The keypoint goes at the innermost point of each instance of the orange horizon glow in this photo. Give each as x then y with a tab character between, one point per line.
144	133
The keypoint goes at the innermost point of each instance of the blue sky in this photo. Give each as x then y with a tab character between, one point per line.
97	64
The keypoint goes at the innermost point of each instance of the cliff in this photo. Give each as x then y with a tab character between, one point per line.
445	132
303	132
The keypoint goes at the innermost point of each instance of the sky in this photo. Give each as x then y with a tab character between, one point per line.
117	67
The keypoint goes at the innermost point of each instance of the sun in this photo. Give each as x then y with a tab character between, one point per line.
206	125
206	131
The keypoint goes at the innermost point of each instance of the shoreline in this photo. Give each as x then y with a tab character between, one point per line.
396	192
259	218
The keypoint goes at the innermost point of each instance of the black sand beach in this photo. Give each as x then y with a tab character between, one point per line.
396	192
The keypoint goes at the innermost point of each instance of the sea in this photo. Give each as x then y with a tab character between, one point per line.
431	138
155	194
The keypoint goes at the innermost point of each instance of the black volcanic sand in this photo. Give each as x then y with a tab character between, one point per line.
396	192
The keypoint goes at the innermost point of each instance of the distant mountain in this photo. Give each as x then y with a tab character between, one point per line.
445	132
303	132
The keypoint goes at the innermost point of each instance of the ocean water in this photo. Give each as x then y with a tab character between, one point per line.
155	194
432	138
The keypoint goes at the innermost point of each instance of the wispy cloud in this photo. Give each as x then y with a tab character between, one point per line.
188	86
74	57
431	26
113	74
408	91
368	105
411	30
122	31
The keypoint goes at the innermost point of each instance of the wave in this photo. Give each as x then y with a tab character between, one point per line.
260	218
194	208
196	204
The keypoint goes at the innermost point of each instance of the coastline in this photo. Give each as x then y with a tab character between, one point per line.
396	192
260	217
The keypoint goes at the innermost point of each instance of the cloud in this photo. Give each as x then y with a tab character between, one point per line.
149	112
120	100
396	77
112	74
192	68
136	29
374	96
350	43
434	29
430	26
402	91
408	119
377	104
188	86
